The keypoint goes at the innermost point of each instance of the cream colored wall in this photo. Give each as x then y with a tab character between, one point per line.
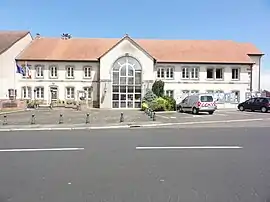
107	61
8	76
256	72
62	82
177	84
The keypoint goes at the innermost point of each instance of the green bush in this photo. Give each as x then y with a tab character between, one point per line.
144	106
158	88
170	104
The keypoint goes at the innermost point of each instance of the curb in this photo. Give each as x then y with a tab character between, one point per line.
128	126
11	112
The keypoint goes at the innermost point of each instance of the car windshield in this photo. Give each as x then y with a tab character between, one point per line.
206	98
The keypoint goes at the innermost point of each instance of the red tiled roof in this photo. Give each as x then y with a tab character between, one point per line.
8	38
193	51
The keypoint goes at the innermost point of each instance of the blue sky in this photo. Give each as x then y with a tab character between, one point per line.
239	20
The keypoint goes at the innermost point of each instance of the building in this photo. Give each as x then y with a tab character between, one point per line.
115	73
11	45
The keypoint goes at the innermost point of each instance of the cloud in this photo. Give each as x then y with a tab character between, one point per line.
265	80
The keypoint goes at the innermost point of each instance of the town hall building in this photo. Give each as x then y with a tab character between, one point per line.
115	73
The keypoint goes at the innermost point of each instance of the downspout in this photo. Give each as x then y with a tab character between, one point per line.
259	80
251	74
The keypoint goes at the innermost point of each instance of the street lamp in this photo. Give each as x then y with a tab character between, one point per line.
51	105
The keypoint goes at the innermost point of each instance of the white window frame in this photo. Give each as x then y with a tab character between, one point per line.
27	90
238	73
165	72
70	72
39	69
88	89
53	72
185	91
215	73
69	92
222	73
87	74
39	93
185	73
210	91
169	93
195	70
26	74
194	91
190	72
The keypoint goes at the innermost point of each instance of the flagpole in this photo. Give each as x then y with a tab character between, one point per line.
14	80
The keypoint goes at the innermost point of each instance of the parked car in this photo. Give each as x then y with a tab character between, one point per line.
198	103
255	104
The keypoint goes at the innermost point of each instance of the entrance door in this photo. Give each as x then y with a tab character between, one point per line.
54	94
126	83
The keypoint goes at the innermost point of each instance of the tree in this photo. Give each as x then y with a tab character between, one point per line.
158	88
149	96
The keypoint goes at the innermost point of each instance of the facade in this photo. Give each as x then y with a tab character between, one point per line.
115	73
11	45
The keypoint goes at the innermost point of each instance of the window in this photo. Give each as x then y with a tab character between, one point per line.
169	93
194	91
26	92
70	72
70	93
210	91
53	72
127	83
194	73
87	72
12	93
39	92
185	73
235	73
165	72
185	91
236	96
89	92
219	73
207	98
39	71
26	71
190	72
210	73
214	73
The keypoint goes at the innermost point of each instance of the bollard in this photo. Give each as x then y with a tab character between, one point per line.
33	119
122	117
154	116
151	114
61	119
148	111
87	120
5	120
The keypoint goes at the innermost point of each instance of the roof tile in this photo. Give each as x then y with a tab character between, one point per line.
8	38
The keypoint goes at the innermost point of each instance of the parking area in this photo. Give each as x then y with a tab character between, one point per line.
218	115
111	117
71	116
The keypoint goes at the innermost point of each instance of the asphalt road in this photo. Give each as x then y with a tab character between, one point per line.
107	166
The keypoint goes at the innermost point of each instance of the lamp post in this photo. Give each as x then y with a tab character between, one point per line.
51	104
35	104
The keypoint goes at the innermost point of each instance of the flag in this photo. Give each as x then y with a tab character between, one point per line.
20	70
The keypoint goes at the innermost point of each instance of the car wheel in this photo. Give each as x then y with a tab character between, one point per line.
180	109
241	108
264	110
195	110
211	112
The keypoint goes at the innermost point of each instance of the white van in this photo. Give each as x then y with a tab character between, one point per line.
198	103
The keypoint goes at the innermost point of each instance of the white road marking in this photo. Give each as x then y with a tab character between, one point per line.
173	117
36	150
189	147
165	117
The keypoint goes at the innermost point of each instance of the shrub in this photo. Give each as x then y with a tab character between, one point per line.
170	104
158	88
144	106
149	97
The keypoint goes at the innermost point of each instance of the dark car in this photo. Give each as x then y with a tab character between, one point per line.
255	104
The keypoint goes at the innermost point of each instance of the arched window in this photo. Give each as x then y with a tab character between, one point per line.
127	84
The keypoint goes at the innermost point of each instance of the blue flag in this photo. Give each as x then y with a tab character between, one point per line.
20	70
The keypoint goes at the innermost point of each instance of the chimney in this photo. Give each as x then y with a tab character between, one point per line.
37	35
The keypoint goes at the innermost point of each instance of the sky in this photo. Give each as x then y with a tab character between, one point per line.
239	20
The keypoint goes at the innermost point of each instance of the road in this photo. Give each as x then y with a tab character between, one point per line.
206	164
